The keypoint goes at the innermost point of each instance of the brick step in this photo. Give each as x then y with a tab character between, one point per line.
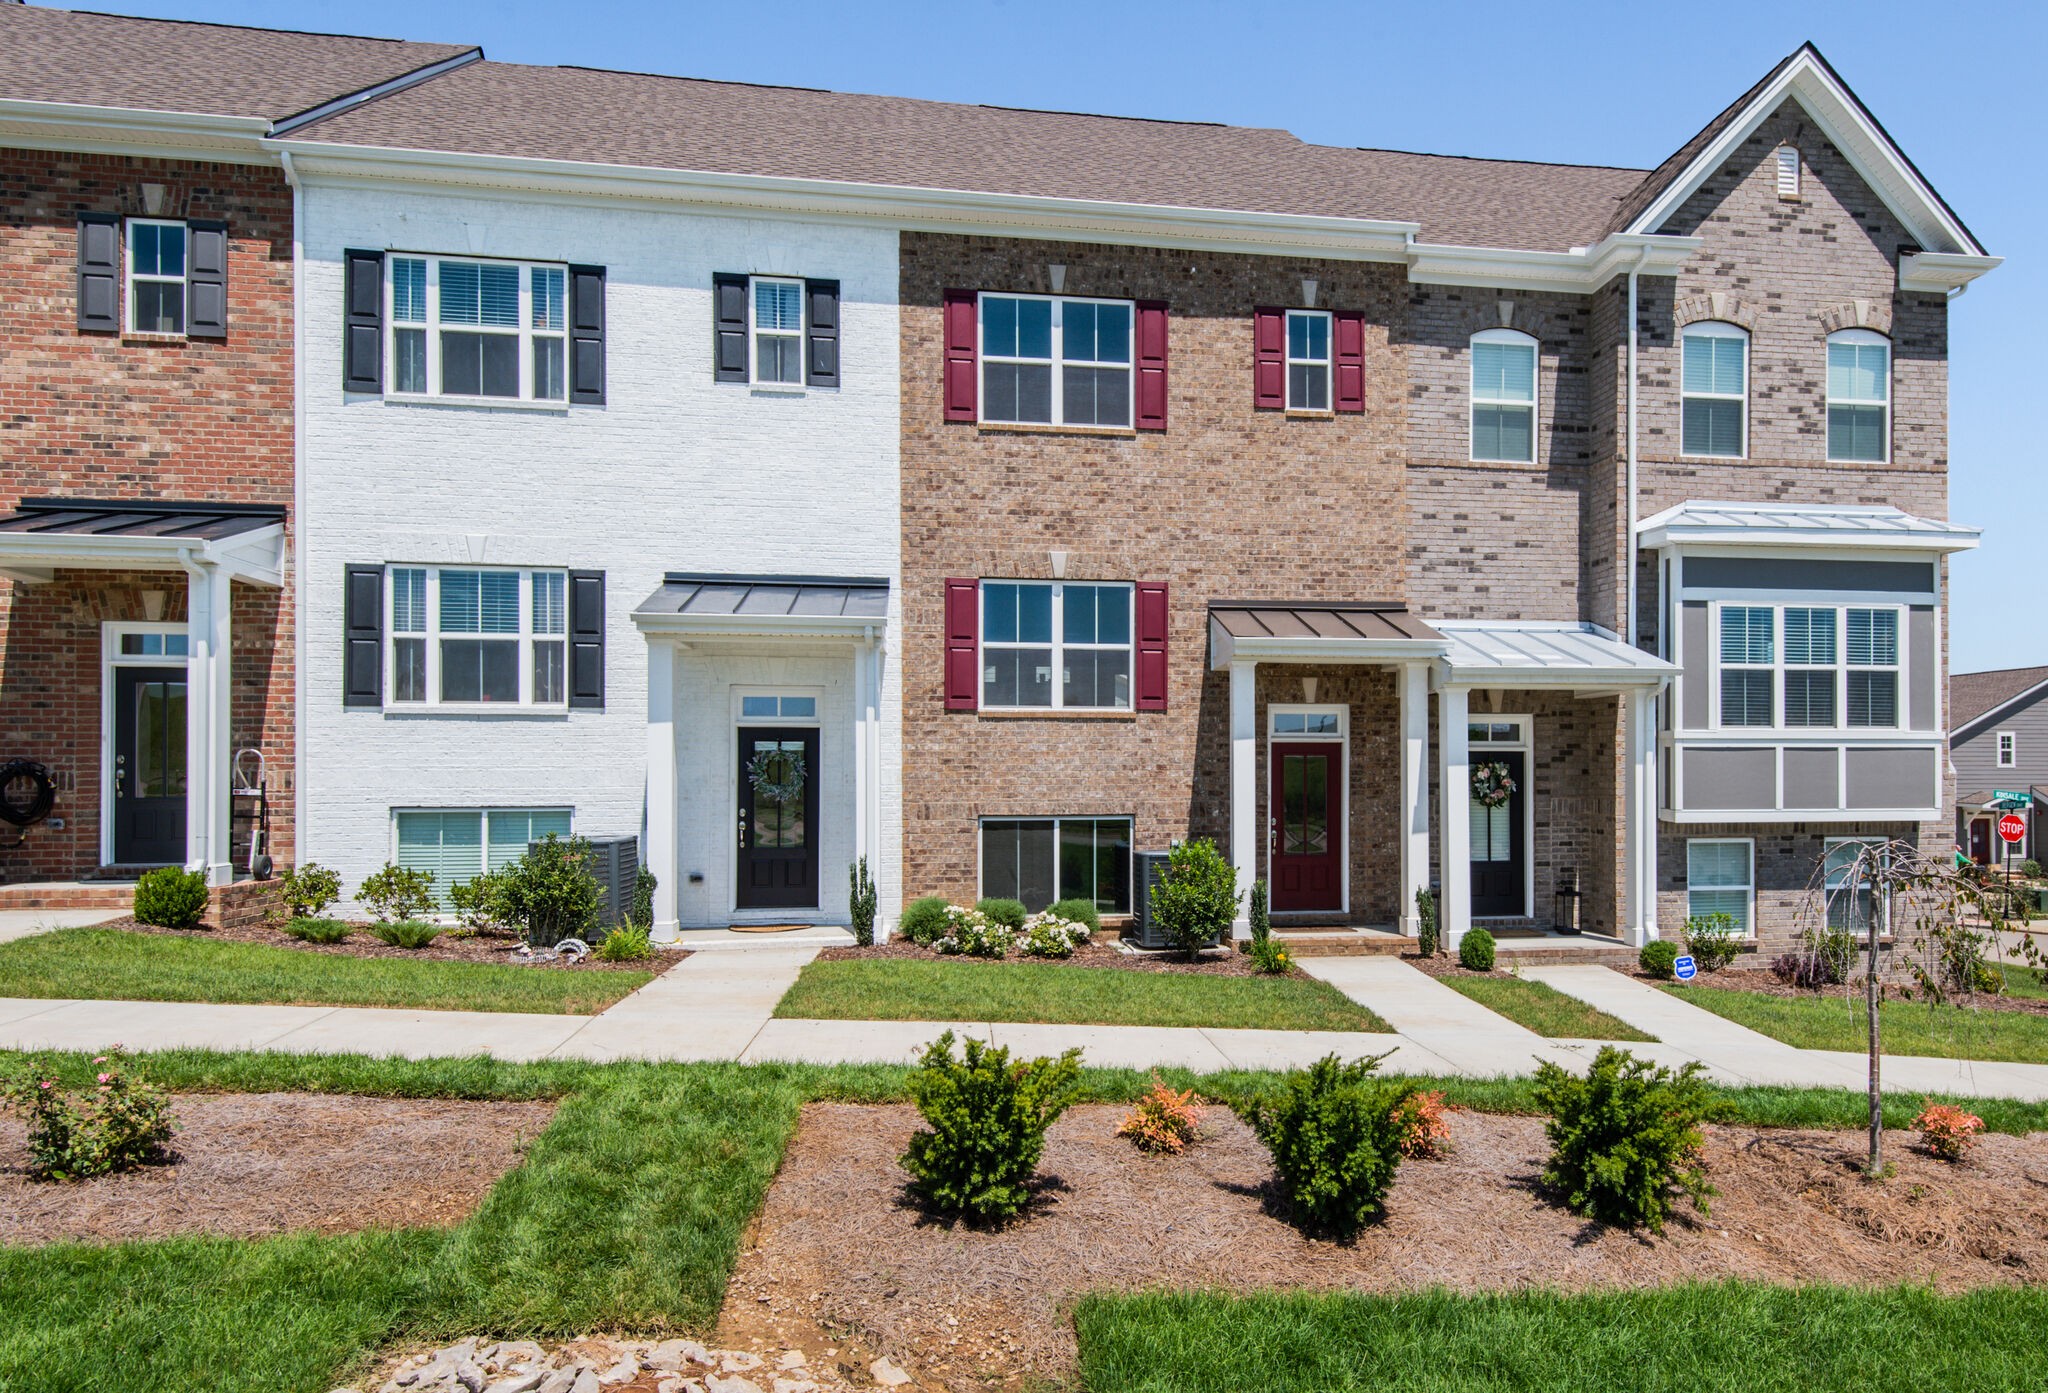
1342	945
1538	957
63	895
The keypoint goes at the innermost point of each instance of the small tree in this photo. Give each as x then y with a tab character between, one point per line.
1196	900
1428	941
860	903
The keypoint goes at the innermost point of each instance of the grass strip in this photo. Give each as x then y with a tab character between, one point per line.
900	989
1908	1027
1540	1007
114	964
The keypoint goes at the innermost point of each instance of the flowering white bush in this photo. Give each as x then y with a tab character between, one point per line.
1047	935
973	933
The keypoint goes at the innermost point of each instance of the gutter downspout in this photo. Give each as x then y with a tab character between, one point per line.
297	541
1628	627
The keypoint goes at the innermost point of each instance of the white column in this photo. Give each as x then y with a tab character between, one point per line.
660	843
865	661
1454	819
208	697
1414	680
1639	831
1244	786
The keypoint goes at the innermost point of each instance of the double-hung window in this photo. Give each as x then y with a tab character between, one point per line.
1837	666
1720	878
1714	390
1859	396
1308	360
1810	661
1041	861
1749	694
1872	681
1062	645
1849	896
1052	360
455	845
157	264
778	328
1503	396
495	330
463	636
2008	750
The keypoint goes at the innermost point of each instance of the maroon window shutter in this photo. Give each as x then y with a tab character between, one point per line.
963	641
1269	359
1348	391
1151	628
1151	365
961	333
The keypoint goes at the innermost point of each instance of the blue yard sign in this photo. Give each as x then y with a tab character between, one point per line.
1685	967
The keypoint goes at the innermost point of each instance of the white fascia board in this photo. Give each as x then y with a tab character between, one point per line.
1581	270
1842	121
1224	650
844	627
1584	681
1942	273
113	130
1801	541
1772	817
256	556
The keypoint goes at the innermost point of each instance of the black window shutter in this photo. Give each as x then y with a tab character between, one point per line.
362	678
586	640
99	273
362	357
206	280
821	316
729	327
586	335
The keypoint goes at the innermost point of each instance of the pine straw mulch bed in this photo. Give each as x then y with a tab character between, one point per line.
1212	962
841	1250
448	948
1765	983
250	1164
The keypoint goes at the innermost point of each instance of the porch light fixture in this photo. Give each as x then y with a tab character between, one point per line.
1308	291
153	199
153	605
1056	276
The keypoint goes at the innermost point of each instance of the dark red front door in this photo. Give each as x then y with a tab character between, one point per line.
1980	840
1307	815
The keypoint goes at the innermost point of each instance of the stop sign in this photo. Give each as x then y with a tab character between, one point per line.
2012	827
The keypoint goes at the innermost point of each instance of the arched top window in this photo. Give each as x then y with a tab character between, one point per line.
1859	396
1503	396
1714	390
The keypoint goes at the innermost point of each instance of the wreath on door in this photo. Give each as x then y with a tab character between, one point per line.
777	775
1492	785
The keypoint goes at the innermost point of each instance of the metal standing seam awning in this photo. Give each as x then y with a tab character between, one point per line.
784	606
1581	658
42	535
1361	632
1698	523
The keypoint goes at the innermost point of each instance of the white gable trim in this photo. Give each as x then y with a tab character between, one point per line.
1975	726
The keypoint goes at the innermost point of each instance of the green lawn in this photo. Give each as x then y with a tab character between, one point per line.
913	989
1731	1338
1909	1027
119	965
2026	981
1542	1008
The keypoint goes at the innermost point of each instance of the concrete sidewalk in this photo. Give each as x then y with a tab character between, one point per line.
23	923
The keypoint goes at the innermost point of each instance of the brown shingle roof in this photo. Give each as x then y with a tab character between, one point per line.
1971	694
593	116
1644	194
203	69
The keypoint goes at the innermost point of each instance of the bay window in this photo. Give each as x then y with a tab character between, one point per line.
1041	861
1053	360
1835	667
462	636
1055	645
1859	396
485	329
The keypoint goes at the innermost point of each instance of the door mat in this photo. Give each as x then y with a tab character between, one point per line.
768	928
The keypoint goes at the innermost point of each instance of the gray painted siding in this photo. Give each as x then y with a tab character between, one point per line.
1892	778
1813	778
1922	667
1975	751
1736	780
1742	573
1692	682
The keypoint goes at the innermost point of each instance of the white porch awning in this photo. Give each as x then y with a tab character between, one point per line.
1694	523
42	535
1575	656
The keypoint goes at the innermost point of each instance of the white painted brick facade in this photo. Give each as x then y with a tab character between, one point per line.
675	473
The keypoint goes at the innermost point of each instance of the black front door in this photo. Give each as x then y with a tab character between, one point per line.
1499	848
778	829
149	765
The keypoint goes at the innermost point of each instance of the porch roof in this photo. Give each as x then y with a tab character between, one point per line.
42	534
1278	632
1697	523
1582	657
702	603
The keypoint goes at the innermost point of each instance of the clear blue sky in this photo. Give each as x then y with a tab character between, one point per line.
1597	84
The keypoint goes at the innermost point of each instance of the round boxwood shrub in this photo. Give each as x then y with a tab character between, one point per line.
1335	1133
1080	912
1008	913
170	898
923	921
1475	951
1659	958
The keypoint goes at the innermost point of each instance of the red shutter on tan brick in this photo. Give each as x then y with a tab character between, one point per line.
1151	365
963	635
1269	359
1347	392
961	334
1150	686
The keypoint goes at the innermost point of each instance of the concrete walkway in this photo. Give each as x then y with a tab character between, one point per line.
22	923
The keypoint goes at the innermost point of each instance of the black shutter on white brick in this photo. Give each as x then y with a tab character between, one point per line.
362	662
821	333
586	640
362	357
99	273
729	328
586	335
206	280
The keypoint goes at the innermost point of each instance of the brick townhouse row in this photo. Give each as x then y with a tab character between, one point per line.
1568	540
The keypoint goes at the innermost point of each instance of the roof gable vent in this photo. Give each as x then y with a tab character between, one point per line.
1788	173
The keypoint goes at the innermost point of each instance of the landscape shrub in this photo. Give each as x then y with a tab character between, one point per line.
1625	1140
1946	1130
1047	935
397	893
1711	940
1475	951
626	944
550	893
1428	938
1196	900
972	933
317	930
480	903
1258	916
1962	963
2030	868
124	1121
1080	911
1008	913
170	898
309	889
1335	1136
1806	971
1659	958
923	920
1162	1120
642	910
987	1119
1424	1127
1268	956
861	900
410	934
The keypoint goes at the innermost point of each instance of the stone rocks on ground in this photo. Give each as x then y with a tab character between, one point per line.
602	1365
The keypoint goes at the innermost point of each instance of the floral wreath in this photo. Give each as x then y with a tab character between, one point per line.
1491	785
762	770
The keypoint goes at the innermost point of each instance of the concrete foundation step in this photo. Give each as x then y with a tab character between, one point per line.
59	894
1342	943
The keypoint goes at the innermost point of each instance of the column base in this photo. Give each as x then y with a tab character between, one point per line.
1637	937
1240	930
1411	926
665	931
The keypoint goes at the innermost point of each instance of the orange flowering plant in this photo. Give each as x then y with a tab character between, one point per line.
1163	1120
1424	1123
1947	1130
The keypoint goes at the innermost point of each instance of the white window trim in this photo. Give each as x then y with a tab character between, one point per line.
432	635
1057	362
1533	404
1130	885
755	333
1828	885
1714	329
112	657
431	327
1328	362
483	827
1059	644
2007	745
1777	667
1866	337
1523	742
1749	844
1341	738
130	276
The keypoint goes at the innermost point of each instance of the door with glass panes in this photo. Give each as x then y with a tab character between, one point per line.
778	818
1499	850
149	765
